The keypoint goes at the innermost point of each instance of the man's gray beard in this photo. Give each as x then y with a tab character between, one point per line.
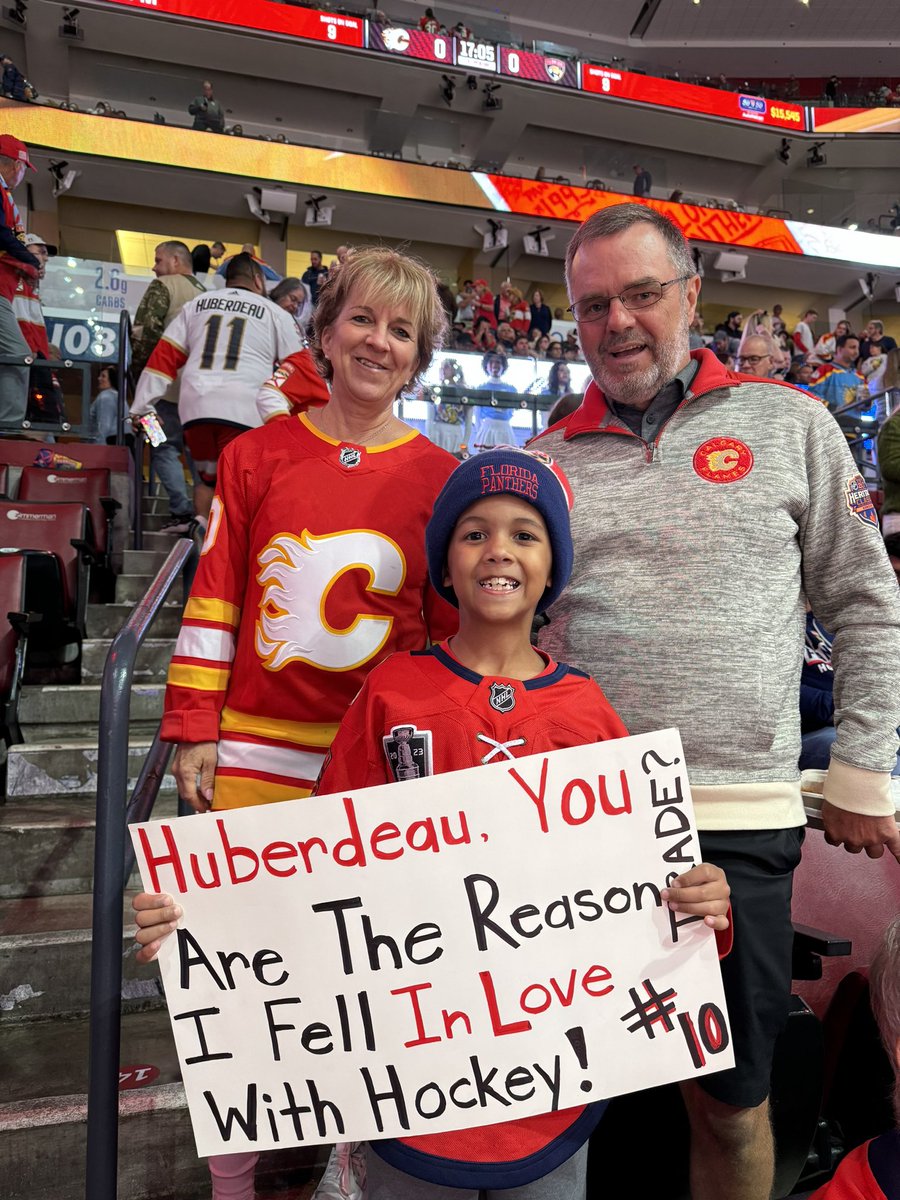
641	386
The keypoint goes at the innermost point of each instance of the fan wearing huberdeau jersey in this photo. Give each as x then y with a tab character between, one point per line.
225	344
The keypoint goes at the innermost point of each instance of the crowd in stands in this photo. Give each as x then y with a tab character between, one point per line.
508	323
838	365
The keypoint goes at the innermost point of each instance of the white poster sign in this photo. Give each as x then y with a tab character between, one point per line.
437	954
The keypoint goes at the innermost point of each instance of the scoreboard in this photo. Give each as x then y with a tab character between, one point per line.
538	68
470	54
264	15
690	97
476	56
412	43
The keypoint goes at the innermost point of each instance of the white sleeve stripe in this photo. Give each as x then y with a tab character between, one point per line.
208	645
270	760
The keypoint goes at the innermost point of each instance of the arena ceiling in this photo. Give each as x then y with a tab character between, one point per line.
143	64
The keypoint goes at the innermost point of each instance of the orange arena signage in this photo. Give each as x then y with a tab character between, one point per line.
64	132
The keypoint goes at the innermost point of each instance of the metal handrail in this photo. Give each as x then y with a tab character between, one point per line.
110	878
64	426
126	382
123	370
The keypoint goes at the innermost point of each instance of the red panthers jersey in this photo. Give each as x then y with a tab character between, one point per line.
450	718
295	387
423	713
312	572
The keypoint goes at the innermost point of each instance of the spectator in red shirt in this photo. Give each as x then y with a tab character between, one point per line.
429	22
16	261
519	312
871	1171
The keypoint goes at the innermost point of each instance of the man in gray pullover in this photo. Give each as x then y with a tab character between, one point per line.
708	506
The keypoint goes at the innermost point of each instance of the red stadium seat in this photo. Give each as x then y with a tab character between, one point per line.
23	454
63	529
12	600
89	487
30	588
118	460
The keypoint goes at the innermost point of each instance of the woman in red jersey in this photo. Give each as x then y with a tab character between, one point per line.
313	568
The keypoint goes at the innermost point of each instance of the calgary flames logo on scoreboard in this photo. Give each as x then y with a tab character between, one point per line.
395	39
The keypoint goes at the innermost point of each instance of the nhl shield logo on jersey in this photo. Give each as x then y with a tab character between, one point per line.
502	697
859	502
408	752
349	457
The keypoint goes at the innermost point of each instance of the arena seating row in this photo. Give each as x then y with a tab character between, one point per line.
56	551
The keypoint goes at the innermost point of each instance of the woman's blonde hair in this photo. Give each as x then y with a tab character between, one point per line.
382	276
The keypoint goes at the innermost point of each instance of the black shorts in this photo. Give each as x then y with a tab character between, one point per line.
757	973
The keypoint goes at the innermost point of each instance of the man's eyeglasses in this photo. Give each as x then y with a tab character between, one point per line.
643	295
752	359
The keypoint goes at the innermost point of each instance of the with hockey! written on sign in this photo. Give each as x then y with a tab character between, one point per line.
440	953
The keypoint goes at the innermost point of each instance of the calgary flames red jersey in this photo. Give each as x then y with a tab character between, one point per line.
423	713
312	572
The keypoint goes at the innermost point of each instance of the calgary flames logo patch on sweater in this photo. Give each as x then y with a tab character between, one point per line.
723	460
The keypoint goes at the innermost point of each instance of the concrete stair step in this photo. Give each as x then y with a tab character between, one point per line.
45	1094
154	521
64	768
146	1038
105	620
152	660
42	1121
154	540
131	588
42	735
143	562
45	959
155	504
80	703
47	844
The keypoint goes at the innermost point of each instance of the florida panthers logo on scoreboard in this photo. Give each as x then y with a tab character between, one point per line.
523	64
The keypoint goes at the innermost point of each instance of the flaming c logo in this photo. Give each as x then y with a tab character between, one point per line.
723	460
298	573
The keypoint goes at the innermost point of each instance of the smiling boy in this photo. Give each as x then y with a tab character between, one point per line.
499	547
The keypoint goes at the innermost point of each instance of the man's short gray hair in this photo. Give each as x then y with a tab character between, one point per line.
178	250
766	338
884	990
617	219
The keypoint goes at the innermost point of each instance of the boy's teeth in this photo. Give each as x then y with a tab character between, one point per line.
500	582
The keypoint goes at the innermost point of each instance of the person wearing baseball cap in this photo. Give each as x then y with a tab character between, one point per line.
16	262
40	247
45	398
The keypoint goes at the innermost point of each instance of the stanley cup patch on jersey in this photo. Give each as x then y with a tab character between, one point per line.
408	752
502	697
